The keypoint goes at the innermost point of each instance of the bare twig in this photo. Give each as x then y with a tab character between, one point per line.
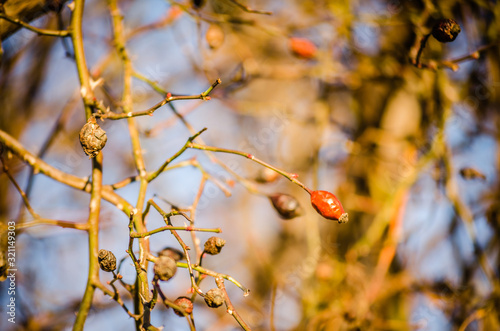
169	98
250	10
230	308
43	32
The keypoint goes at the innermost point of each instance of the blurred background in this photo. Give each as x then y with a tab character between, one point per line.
329	90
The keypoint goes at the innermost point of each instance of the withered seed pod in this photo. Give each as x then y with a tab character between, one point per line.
107	260
446	30
92	138
214	298
214	245
286	205
174	253
165	267
185	304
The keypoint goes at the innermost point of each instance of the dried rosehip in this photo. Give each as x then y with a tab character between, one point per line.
214	245
214	298
286	205
446	30
185	304
92	138
174	253
328	206
302	47
107	260
165	267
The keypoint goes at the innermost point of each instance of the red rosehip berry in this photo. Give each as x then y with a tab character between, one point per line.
328	206
302	47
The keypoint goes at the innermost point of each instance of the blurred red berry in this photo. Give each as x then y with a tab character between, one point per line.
303	48
328	206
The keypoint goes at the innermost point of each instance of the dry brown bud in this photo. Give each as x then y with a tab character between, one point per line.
185	304
107	260
446	30
165	267
214	298
214	245
92	138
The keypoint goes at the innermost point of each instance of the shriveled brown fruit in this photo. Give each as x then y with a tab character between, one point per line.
92	138
185	304
165	267
174	253
107	260
214	245
214	298
286	205
446	30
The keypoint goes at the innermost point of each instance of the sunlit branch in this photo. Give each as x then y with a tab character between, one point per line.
43	32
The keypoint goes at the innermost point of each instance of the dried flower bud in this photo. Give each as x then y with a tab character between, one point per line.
446	30
303	48
214	298
214	245
185	304
165	267
214	36
92	138
174	253
107	260
328	206
286	205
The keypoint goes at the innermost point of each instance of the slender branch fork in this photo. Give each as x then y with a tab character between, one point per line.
44	32
169	98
